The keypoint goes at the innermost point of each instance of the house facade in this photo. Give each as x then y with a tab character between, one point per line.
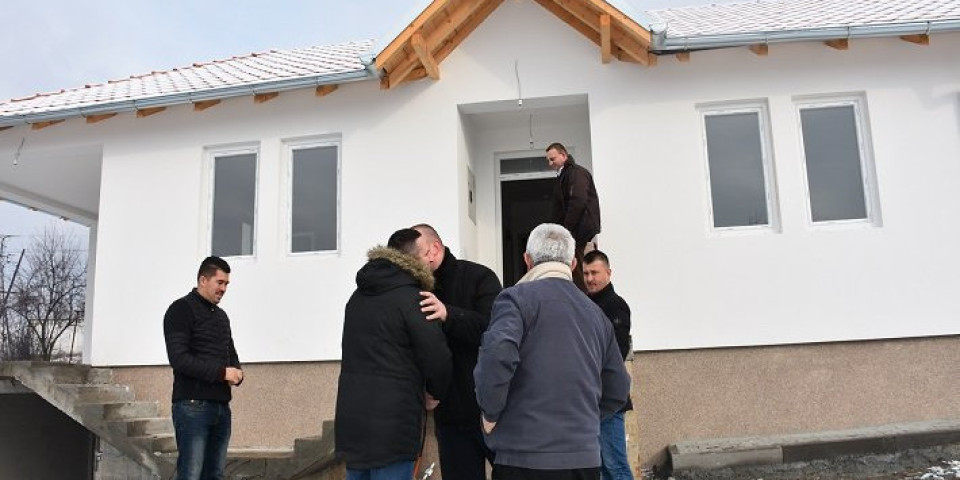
779	213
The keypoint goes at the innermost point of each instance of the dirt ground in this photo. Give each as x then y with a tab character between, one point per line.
935	463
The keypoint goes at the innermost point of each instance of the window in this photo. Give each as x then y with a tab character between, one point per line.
739	167
234	203
839	183
314	195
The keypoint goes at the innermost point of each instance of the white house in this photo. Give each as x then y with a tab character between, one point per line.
779	182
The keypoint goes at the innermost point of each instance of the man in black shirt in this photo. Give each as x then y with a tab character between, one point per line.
461	302
205	365
613	446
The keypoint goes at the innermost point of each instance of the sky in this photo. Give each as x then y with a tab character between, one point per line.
52	44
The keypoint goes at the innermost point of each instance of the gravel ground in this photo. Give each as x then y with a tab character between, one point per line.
935	463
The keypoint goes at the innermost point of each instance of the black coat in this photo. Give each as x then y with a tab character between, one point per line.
618	312
576	205
391	354
468	290
200	348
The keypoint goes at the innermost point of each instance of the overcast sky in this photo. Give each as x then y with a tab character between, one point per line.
46	45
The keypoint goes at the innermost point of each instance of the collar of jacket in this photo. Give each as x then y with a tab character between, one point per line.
603	293
447	266
406	262
203	301
548	270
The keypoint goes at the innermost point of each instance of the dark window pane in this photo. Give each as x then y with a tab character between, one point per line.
524	165
234	199
737	185
314	208
833	163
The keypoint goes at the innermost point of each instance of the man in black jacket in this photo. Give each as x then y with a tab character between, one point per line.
576	205
462	300
205	364
613	446
391	356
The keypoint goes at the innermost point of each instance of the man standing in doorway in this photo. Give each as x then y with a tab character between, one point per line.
549	370
613	444
461	302
205	365
575	203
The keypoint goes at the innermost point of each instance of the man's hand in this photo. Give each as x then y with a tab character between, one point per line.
433	307
233	376
487	425
430	403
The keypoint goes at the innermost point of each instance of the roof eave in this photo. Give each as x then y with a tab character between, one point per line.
664	44
191	97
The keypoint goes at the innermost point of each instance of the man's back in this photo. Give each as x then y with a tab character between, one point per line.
549	368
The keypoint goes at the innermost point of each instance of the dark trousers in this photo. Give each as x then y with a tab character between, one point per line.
463	453
202	430
506	472
578	269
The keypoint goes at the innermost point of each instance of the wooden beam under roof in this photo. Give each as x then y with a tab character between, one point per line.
628	25
265	97
683	56
568	18
146	112
423	54
920	39
42	125
606	48
633	48
324	90
839	44
100	117
204	104
6	128
415	26
760	49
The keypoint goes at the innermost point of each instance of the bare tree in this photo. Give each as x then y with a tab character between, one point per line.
48	296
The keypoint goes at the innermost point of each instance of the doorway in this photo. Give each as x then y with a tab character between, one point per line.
526	185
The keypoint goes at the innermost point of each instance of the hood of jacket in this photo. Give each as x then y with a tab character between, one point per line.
389	268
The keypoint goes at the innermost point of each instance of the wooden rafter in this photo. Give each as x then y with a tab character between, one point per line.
423	54
324	90
920	39
629	26
146	112
204	104
606	47
839	44
683	56
265	97
398	43
42	125
6	128
760	49
631	46
571	20
100	118
488	6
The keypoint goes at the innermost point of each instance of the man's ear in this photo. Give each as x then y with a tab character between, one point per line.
528	260
573	264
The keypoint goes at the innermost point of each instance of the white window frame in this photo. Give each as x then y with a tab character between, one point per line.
762	109
209	172
868	176
289	146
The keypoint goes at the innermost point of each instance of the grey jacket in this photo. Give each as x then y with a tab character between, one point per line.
548	369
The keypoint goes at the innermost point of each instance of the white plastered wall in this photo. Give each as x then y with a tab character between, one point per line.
404	160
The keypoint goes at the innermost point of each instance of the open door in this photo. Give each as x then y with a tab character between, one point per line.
526	184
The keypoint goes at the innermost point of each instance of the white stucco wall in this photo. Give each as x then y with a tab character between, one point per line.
404	159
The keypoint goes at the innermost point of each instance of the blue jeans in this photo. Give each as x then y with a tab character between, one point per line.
203	433
394	471
613	449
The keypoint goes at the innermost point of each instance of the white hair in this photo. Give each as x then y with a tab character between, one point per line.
550	242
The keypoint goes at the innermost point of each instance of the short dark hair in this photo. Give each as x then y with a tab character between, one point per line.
210	265
428	231
558	147
404	240
595	255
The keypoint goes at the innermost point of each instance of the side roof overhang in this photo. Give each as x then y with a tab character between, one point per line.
419	49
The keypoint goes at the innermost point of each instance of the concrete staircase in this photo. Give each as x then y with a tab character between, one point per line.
136	429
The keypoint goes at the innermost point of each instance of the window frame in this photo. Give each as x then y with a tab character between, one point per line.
289	147
762	109
868	178
210	166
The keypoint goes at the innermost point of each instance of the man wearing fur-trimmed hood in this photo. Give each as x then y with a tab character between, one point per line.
391	356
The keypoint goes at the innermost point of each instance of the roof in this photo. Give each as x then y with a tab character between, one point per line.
717	25
269	71
621	28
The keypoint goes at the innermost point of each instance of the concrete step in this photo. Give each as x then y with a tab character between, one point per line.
99	376
107	393
156	443
129	410
770	450
139	427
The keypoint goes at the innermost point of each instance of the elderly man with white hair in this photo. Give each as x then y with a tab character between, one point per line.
549	369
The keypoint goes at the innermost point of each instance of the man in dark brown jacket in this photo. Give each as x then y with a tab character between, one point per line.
575	203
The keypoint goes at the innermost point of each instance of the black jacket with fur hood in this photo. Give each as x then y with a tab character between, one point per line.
391	355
